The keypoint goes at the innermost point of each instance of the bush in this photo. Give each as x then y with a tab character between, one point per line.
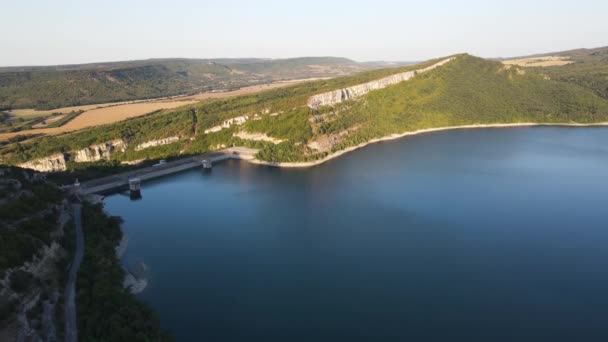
7	308
21	281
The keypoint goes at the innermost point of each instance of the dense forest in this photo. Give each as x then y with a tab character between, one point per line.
107	311
589	70
23	197
37	240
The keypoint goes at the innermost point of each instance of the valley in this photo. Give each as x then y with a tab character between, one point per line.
460	102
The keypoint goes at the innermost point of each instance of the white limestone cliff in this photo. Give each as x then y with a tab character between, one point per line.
52	163
57	162
100	151
239	120
158	142
257	137
340	95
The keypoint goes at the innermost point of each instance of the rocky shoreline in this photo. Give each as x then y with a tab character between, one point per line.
420	131
135	284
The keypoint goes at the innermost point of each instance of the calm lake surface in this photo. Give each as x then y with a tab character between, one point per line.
474	235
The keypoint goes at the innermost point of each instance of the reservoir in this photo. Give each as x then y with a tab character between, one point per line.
462	235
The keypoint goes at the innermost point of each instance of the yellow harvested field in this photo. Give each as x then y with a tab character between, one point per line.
540	61
64	110
251	89
103	116
107	113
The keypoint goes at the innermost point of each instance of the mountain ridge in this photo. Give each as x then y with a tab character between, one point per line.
50	87
467	91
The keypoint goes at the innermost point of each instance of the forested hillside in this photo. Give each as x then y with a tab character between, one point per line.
590	70
36	247
467	90
585	67
72	85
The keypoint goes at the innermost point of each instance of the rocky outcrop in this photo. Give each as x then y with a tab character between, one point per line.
136	280
57	162
159	142
257	137
239	120
52	163
133	162
337	96
325	143
99	152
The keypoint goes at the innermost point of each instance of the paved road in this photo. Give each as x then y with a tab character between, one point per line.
71	331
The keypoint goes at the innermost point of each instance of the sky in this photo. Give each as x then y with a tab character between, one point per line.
48	32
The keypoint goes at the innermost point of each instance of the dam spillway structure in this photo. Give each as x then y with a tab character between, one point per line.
135	188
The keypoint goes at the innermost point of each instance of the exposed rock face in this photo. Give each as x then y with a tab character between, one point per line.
158	142
325	143
337	96
99	152
257	137
52	163
57	162
41	266
239	120
133	162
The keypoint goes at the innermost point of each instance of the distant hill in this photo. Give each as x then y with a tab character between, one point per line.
589	68
49	87
569	53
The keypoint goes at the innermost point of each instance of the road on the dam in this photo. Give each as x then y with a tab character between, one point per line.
122	179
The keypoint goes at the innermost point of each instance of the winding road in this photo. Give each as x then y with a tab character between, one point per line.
71	331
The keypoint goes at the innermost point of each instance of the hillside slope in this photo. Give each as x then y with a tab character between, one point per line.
37	242
465	91
587	68
59	86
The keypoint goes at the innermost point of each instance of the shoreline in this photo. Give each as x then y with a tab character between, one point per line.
417	132
137	285
133	284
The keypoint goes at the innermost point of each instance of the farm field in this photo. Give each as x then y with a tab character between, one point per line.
252	89
103	116
546	61
107	113
30	112
49	121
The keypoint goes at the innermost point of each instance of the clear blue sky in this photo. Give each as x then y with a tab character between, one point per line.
62	31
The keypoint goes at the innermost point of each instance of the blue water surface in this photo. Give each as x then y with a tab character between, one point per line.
466	235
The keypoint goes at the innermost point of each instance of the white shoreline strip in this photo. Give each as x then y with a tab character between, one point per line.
421	131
